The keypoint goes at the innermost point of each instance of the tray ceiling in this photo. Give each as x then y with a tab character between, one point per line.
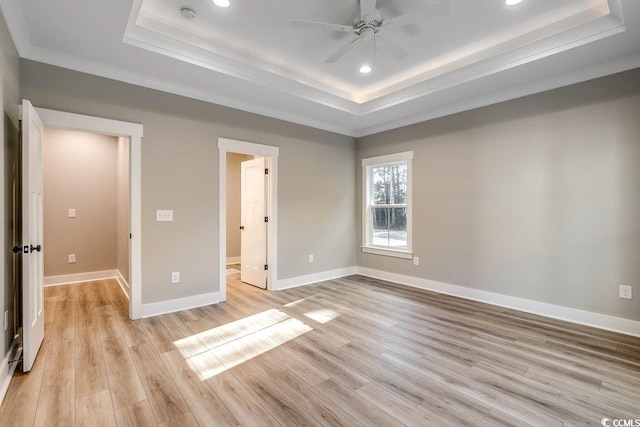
461	53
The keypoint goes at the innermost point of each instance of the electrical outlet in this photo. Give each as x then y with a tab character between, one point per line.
311	258
626	292
6	319
72	258
175	277
72	213
416	260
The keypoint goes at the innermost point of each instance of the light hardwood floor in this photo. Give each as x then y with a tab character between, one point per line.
354	351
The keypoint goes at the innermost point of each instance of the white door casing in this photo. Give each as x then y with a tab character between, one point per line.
253	240
271	153
133	131
32	235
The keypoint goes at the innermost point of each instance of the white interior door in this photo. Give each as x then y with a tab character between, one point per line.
32	235
253	241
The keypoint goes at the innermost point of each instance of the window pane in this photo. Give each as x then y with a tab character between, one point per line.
381	188
389	227
389	184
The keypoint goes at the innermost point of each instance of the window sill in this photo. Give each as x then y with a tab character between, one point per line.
387	252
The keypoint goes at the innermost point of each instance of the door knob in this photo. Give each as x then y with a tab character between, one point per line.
35	248
16	249
242	227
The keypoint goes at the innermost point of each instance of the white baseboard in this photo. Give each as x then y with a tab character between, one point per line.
7	370
233	260
294	282
179	304
597	320
80	277
123	284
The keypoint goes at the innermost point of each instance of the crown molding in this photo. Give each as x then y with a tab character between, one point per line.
572	28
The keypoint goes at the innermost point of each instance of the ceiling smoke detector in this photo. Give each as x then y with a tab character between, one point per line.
188	13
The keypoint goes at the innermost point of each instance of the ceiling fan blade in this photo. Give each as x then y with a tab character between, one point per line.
391	48
436	8
367	7
342	51
294	23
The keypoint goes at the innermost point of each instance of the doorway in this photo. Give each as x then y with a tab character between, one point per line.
133	132
86	207
247	219
267	157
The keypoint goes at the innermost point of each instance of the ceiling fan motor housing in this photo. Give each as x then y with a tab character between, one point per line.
368	21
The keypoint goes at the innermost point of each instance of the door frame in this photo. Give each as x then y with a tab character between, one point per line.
133	131
226	145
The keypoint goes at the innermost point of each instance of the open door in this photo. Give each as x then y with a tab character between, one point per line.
32	235
253	240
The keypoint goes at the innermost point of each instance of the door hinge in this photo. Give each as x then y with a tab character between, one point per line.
266	171
266	267
266	219
130	235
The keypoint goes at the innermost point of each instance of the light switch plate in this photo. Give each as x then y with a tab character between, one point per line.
164	215
72	258
72	213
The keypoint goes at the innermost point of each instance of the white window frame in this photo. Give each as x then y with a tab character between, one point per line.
367	186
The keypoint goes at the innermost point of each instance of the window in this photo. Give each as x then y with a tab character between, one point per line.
387	205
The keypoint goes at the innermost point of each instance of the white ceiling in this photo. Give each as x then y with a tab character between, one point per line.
463	54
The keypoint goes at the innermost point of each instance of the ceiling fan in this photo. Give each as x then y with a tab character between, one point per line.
367	26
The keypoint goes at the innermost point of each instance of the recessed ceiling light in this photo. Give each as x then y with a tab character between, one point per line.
188	13
512	2
222	3
365	69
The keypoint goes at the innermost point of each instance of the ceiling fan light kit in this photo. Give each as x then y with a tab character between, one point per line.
367	26
222	3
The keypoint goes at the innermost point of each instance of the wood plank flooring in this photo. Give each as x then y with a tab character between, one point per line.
354	351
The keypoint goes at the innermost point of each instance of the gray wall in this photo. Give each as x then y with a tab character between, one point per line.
10	98
80	172
536	198
179	171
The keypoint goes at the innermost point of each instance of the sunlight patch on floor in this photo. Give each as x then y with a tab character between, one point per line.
228	332
322	315
237	342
